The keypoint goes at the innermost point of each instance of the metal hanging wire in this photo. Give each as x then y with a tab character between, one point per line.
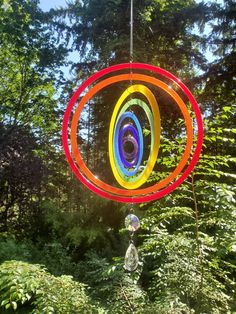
131	56
131	30
131	52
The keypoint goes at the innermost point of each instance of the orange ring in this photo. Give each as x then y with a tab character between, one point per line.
127	77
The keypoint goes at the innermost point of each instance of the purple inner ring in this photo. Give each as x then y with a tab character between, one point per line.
126	139
134	138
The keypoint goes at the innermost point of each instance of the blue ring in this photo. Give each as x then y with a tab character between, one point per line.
117	158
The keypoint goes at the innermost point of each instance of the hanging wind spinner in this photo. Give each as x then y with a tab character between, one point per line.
129	168
129	163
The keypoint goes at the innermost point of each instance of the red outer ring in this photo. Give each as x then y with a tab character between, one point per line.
149	197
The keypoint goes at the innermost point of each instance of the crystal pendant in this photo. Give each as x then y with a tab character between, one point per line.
131	258
132	222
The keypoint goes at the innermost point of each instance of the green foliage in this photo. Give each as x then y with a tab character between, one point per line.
100	29
222	70
180	277
29	113
53	255
31	289
27	87
188	245
83	221
18	161
115	289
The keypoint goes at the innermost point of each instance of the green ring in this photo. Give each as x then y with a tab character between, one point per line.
144	106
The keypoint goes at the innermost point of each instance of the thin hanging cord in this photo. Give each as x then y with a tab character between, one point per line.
131	40
131	31
131	49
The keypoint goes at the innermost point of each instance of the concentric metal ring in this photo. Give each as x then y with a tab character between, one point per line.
154	120
159	189
123	172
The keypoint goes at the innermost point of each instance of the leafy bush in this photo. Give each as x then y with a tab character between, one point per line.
31	289
53	255
115	289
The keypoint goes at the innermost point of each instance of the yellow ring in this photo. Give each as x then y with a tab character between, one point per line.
142	178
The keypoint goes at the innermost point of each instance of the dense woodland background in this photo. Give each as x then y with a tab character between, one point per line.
61	247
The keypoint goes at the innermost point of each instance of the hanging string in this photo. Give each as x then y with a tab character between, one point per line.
131	221
131	30
131	49
131	41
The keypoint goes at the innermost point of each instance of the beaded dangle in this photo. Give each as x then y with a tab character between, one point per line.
132	224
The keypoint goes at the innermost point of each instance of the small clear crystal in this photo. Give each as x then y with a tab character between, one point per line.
131	258
132	222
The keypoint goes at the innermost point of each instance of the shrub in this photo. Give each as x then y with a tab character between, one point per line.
30	288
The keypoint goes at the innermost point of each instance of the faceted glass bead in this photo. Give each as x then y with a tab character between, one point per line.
131	258
132	222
